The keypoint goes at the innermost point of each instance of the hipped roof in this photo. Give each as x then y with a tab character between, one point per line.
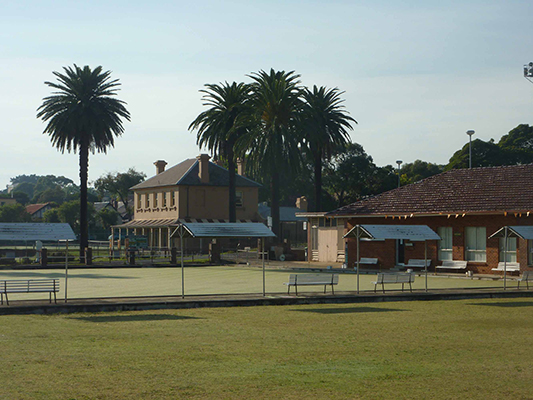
476	190
186	173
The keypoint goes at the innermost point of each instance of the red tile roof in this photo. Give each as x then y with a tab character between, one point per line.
476	190
33	208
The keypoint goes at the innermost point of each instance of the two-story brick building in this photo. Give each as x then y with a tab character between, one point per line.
463	206
195	190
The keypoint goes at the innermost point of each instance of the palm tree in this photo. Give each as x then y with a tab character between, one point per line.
273	144
326	126
83	115
222	124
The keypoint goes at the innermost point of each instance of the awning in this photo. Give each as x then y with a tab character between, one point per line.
170	222
523	232
224	230
30	232
409	232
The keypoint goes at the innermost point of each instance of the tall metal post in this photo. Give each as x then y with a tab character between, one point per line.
470	133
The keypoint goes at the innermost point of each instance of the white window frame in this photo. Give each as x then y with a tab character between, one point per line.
446	243
512	243
476	243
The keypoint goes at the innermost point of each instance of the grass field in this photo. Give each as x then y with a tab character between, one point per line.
118	282
468	349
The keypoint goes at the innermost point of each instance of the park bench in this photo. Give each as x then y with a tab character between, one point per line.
526	277
29	286
312	279
449	264
509	267
366	261
386	278
414	263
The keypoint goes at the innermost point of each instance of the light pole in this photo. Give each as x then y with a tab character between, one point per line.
470	133
399	162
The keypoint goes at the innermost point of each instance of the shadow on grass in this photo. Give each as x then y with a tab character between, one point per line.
132	318
29	275
349	310
506	304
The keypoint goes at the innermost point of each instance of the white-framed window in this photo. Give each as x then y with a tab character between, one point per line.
172	199
446	243
511	249
239	199
476	243
139	201
156	199
164	199
147	200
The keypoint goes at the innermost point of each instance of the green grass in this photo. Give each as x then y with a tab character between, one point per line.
475	349
116	282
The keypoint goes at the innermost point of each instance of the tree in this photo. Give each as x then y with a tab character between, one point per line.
418	170
484	154
118	185
21	197
326	125
83	115
273	142
14	213
70	211
348	175
222	125
107	218
51	216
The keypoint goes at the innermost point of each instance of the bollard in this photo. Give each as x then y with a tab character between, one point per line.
88	256
173	255
44	257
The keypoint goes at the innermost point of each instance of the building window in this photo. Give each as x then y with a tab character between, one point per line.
164	199
139	204
156	198
511	249
446	243
321	222
476	243
172	199
239	199
147	200
314	238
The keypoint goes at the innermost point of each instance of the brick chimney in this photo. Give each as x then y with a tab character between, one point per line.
240	166
203	172
301	203
160	166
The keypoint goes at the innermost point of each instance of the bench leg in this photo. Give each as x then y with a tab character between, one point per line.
332	290
296	289
402	286
7	300
383	287
2	297
410	287
375	286
325	289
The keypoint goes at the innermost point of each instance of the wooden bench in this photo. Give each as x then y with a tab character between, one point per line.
312	279
366	261
413	263
29	286
509	267
386	278
526	277
448	264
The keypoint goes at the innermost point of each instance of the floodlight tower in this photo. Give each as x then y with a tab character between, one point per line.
528	72
399	162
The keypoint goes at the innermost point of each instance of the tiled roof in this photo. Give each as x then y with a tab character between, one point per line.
186	173
477	190
33	208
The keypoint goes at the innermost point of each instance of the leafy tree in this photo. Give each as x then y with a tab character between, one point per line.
26	187
19	179
484	154
14	213
107	217
418	170
520	137
273	144
326	125
21	197
83	115
118	185
51	216
222	125
348	175
55	194
69	212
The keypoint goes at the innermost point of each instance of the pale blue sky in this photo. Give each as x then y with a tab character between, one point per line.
417	74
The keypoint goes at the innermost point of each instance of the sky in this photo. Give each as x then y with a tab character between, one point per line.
416	74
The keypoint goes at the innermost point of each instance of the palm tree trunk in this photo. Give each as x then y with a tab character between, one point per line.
84	168
232	188
274	206
318	181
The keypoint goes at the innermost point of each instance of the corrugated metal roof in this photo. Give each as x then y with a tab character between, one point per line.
409	232
524	232
32	232
224	230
